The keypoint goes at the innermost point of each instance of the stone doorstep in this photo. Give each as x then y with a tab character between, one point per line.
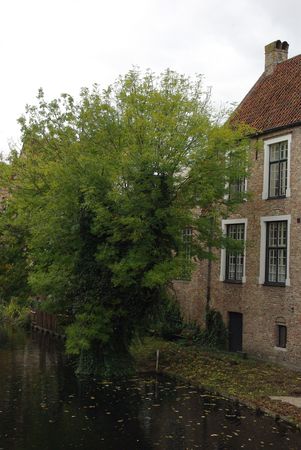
295	401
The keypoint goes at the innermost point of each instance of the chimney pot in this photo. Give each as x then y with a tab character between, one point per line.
276	52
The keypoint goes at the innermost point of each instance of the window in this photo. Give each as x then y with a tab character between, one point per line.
235	259
237	187
187	239
274	250
186	254
281	336
276	255
233	262
276	182
278	169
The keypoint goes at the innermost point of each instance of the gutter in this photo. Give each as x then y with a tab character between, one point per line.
280	128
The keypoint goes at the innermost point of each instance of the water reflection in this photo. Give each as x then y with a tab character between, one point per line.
42	406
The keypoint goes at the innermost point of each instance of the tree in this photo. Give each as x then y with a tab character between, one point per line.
104	187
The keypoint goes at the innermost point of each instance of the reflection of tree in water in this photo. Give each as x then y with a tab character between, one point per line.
3	337
45	407
113	407
169	416
10	336
30	387
48	408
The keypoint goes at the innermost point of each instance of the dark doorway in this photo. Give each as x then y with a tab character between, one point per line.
235	332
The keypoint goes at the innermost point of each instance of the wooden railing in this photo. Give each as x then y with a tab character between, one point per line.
44	320
49	323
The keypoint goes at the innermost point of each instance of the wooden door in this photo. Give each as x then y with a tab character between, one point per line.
235	331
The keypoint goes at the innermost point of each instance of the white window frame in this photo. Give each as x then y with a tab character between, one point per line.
266	166
246	185
225	223
263	239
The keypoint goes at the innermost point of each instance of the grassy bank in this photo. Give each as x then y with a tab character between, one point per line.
248	380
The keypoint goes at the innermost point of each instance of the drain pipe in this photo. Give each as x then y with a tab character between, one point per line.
209	272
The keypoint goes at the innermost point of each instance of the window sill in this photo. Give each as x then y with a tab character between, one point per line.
279	197
269	283
233	282
281	349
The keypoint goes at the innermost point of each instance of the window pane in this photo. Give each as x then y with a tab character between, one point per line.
282	234
274	180
281	265
274	152
283	146
239	266
282	178
240	232
278	151
232	231
231	271
236	187
272	266
273	232
236	231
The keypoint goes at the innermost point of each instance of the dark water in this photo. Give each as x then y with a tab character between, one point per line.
42	406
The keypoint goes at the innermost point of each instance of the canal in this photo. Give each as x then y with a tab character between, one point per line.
43	406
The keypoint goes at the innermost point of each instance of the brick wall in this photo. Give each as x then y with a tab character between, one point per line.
192	294
260	305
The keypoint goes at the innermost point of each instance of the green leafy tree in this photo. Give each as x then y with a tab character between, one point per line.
104	187
13	252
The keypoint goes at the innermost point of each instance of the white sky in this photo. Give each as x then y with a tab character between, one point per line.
63	45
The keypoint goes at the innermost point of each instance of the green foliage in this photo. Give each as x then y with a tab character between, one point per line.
215	334
191	332
46	304
88	327
167	320
2	306
16	312
100	194
168	323
4	338
13	251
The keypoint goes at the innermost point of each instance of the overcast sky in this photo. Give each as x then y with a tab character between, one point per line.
63	45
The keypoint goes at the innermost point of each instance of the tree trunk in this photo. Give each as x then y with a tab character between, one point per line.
110	361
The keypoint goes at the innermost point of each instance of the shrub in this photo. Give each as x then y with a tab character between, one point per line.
168	320
215	334
16	312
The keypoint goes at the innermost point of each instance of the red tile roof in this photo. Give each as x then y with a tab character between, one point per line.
275	100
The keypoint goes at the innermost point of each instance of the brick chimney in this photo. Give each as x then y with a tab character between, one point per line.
275	53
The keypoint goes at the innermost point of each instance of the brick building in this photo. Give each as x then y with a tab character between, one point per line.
258	292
